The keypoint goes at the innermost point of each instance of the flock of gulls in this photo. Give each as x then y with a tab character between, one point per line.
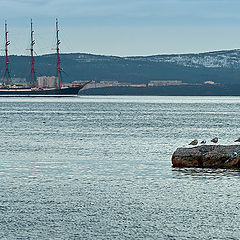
214	140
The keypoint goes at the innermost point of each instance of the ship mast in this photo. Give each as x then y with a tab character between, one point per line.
59	69
32	58
6	52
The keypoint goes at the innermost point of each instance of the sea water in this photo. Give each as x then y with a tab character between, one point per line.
100	168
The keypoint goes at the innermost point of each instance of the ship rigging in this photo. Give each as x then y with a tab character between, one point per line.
13	91
32	58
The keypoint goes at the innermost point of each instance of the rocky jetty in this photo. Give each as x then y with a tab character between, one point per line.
208	156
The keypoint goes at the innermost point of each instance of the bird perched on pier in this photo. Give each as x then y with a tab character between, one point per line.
194	142
203	142
214	140
238	140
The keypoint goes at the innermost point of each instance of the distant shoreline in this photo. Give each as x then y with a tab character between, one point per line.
181	90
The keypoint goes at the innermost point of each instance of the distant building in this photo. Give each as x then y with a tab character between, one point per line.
18	80
102	84
47	82
14	80
109	83
21	85
209	82
164	83
138	85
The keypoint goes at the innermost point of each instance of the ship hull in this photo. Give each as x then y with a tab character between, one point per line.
50	92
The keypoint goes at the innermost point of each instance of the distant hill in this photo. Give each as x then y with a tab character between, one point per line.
219	66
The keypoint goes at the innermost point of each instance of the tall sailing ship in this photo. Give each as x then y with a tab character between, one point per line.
10	90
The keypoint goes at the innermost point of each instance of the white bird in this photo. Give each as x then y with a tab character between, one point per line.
194	142
234	154
238	140
214	140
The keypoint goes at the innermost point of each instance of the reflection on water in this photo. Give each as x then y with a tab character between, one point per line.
74	168
205	173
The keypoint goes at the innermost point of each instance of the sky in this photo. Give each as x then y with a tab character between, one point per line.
122	27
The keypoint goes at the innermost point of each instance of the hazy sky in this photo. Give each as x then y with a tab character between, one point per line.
123	27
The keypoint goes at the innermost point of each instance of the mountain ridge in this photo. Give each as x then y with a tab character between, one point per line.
219	66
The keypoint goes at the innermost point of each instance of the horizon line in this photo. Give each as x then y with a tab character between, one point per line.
129	56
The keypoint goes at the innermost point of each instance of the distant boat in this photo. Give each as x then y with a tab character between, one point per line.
11	90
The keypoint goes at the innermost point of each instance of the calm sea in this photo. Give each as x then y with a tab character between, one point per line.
100	168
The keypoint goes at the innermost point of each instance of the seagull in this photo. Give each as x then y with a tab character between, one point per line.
234	154
194	142
203	142
238	140
214	140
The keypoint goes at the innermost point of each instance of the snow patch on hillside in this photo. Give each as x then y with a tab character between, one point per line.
219	59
